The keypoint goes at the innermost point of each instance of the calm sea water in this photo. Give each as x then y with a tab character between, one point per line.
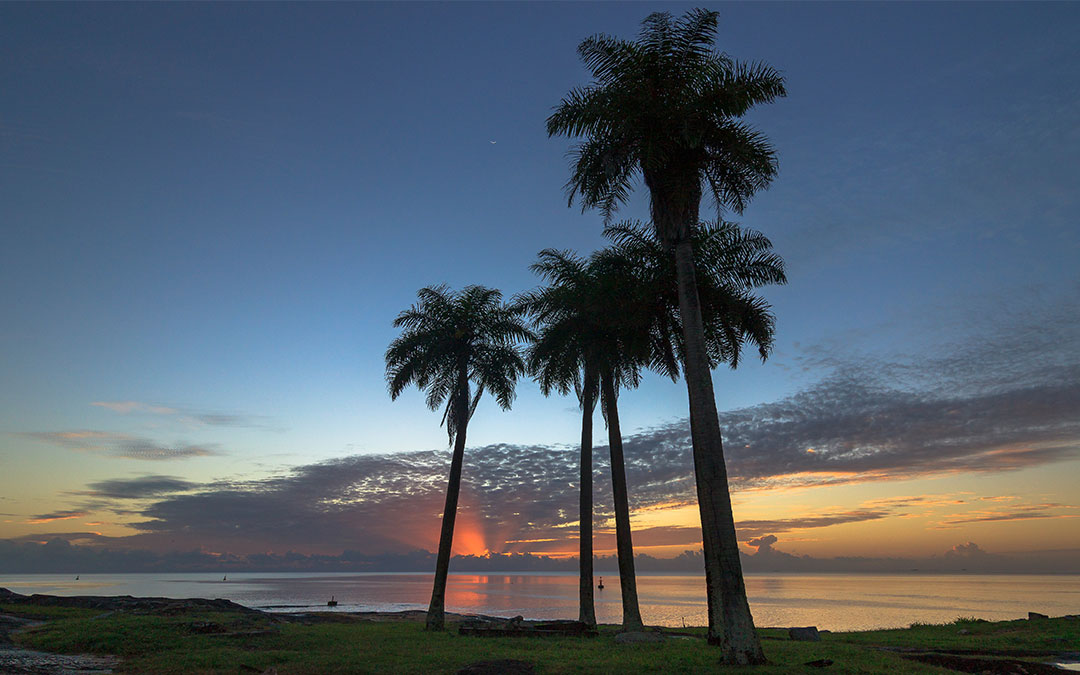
833	601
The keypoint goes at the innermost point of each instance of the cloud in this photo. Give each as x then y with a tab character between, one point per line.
763	543
137	488
966	551
128	407
1019	512
148	450
189	417
122	445
752	528
54	516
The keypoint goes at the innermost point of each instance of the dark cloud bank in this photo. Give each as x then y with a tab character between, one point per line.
61	557
375	511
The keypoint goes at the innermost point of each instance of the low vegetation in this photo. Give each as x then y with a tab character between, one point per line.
232	642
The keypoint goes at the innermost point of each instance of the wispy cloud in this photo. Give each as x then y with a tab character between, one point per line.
142	487
186	416
128	407
54	516
757	528
1018	512
148	450
124	446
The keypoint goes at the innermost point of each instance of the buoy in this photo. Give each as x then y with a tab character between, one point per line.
601	584
332	603
76	577
224	577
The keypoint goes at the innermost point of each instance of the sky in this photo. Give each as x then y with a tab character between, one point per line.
212	213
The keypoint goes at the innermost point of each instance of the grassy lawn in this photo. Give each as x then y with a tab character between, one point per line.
152	643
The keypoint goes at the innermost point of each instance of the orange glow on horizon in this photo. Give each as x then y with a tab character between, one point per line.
469	536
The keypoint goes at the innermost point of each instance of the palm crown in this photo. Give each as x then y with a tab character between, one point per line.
453	339
730	263
594	316
666	107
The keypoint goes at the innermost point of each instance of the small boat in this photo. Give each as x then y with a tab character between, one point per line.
332	603
225	578
601	584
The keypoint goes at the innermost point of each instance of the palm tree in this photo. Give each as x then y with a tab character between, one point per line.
452	342
558	359
667	107
593	338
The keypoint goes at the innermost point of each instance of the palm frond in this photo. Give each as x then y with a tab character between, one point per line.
450	339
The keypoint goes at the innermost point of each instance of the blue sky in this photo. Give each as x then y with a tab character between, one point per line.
214	211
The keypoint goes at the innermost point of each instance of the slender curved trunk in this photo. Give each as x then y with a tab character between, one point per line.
623	541
731	626
587	608
436	615
676	199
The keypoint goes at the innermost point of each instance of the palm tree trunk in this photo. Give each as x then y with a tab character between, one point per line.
731	626
436	615
623	542
587	609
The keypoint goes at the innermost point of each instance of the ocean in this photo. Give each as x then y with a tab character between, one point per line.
828	601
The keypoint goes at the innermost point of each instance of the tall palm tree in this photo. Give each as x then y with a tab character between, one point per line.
593	338
667	107
452	342
559	360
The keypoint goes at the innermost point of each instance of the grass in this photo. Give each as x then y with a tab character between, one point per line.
46	613
1022	635
150	643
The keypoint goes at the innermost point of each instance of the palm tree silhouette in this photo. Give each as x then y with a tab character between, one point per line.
593	338
667	107
449	343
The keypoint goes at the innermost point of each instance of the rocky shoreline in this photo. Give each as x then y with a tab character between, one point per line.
15	660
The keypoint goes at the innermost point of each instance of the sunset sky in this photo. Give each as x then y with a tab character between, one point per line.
211	214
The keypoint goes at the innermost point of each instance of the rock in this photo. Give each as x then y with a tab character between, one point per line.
638	638
28	661
516	623
205	627
1036	615
501	667
820	663
565	627
127	603
804	634
963	631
